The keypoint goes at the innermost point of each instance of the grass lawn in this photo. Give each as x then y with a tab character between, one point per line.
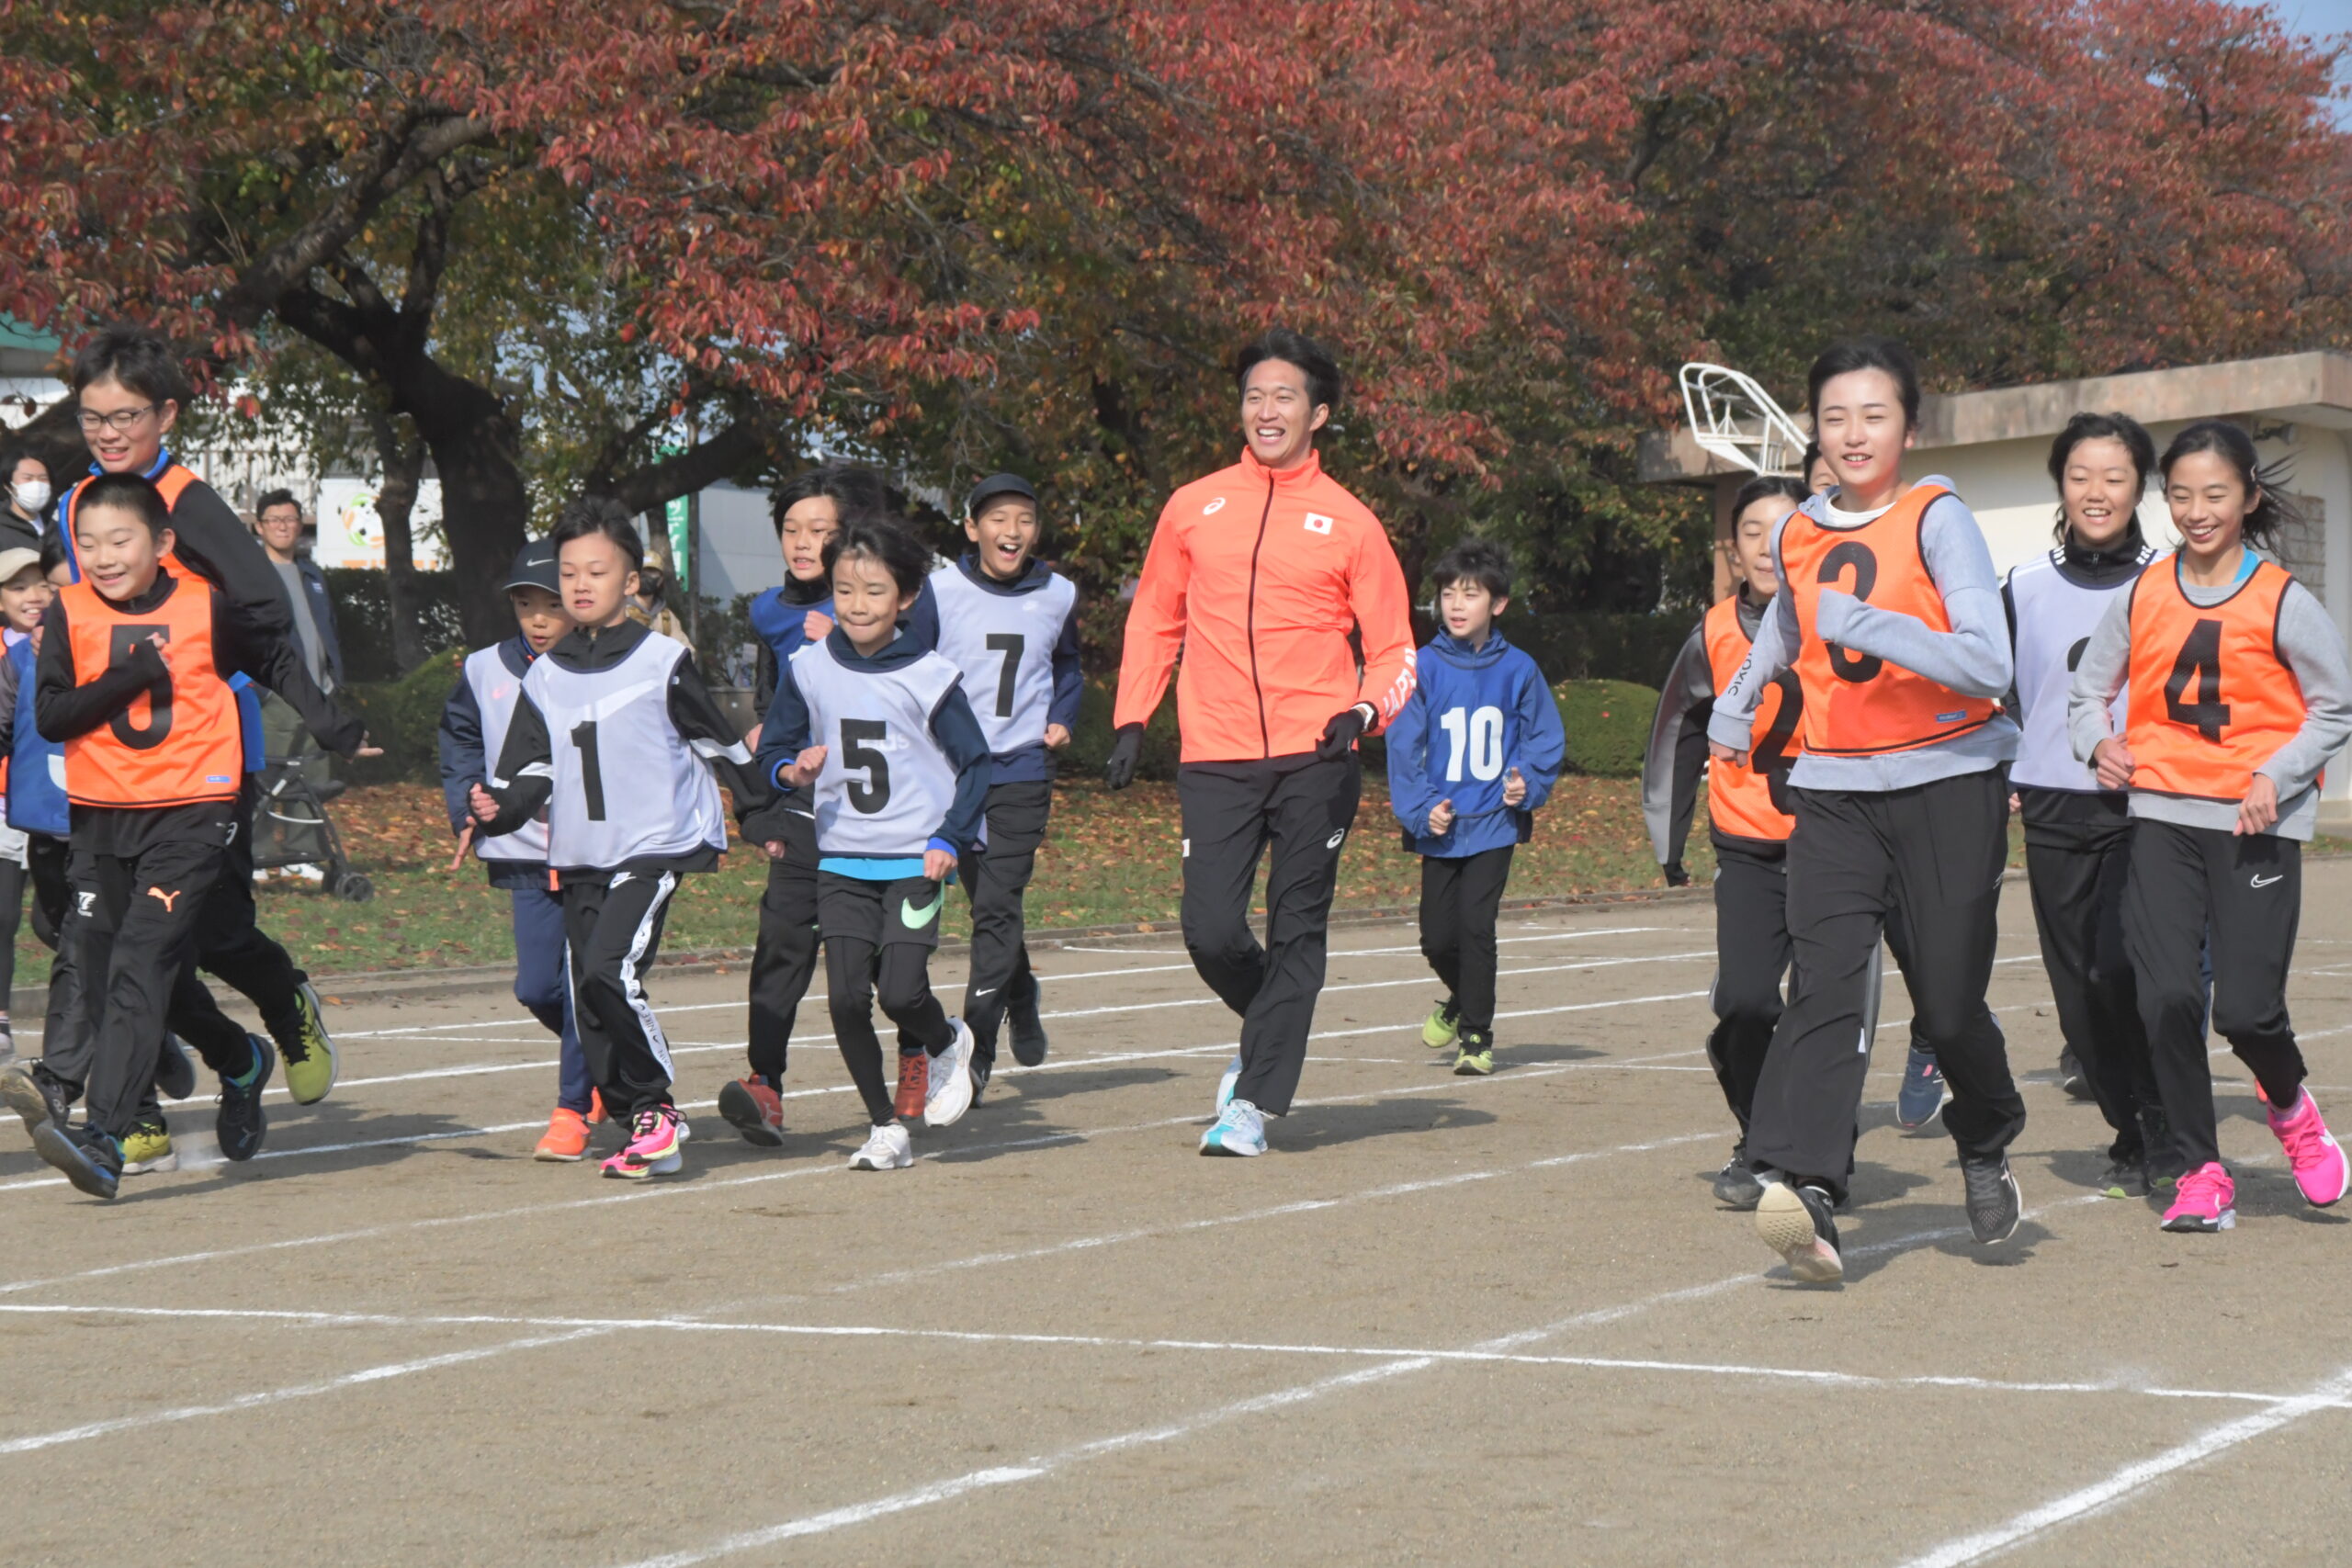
1110	860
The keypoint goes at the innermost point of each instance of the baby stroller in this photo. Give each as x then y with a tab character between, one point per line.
292	829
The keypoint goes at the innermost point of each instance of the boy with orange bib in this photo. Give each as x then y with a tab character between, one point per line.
132	681
1890	617
2239	695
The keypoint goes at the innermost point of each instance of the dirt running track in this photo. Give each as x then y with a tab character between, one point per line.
1482	1321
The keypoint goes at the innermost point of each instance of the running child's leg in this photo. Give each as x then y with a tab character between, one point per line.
785	962
2065	870
849	998
145	917
613	930
995	879
2165	902
1480	898
1751	957
2257	884
541	987
1440	921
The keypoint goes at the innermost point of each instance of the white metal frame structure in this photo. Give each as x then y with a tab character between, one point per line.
1732	418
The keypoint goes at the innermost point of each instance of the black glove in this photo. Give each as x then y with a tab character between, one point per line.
1340	734
1675	876
1119	770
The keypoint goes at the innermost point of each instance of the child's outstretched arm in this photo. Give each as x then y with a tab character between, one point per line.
276	664
1411	794
1542	740
958	734
463	765
1677	757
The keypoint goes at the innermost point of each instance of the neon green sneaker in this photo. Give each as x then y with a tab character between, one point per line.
310	1064
149	1148
1439	1029
1477	1057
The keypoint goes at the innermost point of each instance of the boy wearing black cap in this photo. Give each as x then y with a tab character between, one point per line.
473	728
1008	623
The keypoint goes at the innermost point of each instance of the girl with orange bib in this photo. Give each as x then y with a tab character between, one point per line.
2239	694
1889	615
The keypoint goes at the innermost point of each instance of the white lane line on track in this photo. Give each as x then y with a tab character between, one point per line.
399	1369
280	1396
1047	1464
545	1064
2136	1477
1827	1377
632	1193
1043	978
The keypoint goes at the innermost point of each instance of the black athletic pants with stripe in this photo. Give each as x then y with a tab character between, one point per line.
995	876
611	928
1233	812
1460	900
2246	894
1930	856
2077	855
785	962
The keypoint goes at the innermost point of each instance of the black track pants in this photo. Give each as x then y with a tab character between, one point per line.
2247	893
995	876
2077	856
873	953
1459	900
612	933
1233	813
785	962
231	945
135	919
1751	957
1930	855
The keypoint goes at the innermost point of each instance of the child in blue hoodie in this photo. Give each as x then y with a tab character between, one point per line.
1470	759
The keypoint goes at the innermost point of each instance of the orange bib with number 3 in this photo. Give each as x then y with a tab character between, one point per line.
1751	802
1856	704
2212	701
177	744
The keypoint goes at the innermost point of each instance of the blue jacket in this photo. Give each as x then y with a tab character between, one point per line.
463	765
36	767
1474	715
779	615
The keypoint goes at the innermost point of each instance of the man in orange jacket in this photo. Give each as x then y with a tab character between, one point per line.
1257	574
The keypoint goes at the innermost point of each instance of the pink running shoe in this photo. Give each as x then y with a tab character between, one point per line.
653	1147
2204	1200
2320	1168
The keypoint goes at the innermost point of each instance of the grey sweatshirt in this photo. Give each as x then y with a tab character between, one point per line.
2308	645
1972	658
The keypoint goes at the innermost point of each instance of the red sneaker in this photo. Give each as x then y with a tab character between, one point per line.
914	1084
754	1109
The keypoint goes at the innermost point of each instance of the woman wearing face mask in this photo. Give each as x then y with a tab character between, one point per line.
26	517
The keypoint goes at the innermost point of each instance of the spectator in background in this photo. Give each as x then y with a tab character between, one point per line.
277	521
26	518
648	607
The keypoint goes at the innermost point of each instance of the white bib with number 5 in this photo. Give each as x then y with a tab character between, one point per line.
885	784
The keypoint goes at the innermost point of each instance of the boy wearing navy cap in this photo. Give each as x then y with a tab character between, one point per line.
1009	622
473	727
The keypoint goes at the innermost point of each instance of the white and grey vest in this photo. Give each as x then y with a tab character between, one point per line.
1003	643
2055	617
885	784
496	689
627	787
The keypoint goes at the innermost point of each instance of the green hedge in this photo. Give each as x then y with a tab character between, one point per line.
363	619
1596	647
1608	723
403	717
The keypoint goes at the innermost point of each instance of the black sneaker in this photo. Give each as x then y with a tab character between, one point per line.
2166	1168
982	1066
1993	1204
37	1094
2127	1174
241	1121
1028	1030
2071	1077
89	1158
1737	1184
1800	1223
174	1073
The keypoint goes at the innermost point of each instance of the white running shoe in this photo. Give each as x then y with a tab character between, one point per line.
1239	1130
948	1094
1224	1085
887	1149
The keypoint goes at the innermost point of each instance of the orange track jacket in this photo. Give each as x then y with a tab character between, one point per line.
1257	576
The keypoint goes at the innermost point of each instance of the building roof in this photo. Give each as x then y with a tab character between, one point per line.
2314	388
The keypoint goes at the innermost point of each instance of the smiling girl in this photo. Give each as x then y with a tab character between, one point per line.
2239	695
1890	617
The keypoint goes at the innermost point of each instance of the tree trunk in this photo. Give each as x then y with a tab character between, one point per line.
403	466
485	505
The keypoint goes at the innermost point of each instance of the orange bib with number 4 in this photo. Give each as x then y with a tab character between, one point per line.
1751	802
1856	704
177	744
2212	701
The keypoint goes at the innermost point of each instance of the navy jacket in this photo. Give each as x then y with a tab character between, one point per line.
464	766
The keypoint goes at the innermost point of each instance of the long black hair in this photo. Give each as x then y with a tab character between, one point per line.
2103	427
2230	443
1867	353
1762	486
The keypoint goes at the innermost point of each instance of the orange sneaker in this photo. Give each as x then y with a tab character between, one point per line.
914	1083
566	1138
754	1109
595	1106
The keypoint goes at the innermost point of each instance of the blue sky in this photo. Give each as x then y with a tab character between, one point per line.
2321	17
